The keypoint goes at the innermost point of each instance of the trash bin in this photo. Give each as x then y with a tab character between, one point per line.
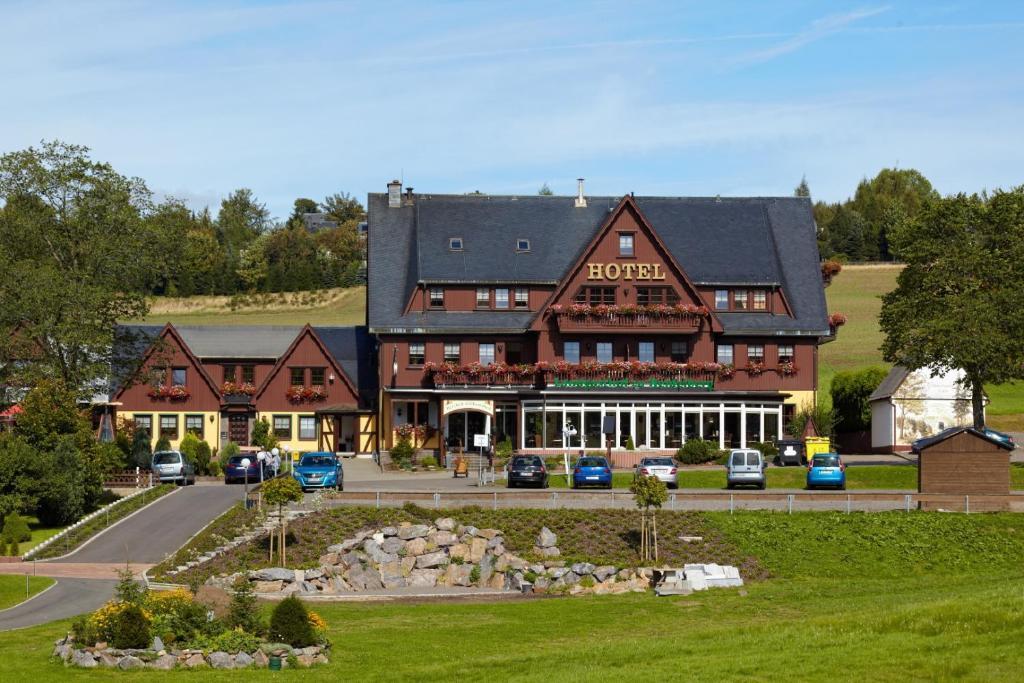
815	445
791	452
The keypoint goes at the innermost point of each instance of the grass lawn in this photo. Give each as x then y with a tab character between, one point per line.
879	597
326	307
39	534
12	589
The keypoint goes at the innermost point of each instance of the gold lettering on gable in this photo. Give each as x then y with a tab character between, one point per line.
626	271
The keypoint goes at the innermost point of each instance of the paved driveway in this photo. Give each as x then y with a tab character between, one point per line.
144	538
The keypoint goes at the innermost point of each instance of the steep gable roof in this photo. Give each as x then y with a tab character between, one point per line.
748	240
169	331
306	331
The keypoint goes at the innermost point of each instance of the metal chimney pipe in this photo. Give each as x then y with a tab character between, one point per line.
581	201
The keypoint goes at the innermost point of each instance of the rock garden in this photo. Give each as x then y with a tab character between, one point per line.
140	629
443	554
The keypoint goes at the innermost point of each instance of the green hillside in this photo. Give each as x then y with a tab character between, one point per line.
321	307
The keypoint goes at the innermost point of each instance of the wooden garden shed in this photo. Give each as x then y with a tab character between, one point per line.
963	461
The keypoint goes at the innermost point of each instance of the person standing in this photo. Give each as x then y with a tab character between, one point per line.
275	460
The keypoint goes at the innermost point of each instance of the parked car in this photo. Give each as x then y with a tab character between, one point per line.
592	470
663	468
826	469
235	471
527	469
1000	436
319	470
172	466
745	467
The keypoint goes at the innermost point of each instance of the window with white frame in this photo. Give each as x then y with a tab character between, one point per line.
194	425
760	300
522	298
755	353
722	299
785	353
723	354
169	426
455	243
739	300
487	354
452	352
522	244
645	352
605	354
144	423
501	297
307	427
571	352
483	297
626	244
283	427
417	353
437	297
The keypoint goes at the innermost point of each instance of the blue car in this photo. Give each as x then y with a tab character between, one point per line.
319	471
1000	436
826	469
592	470
235	472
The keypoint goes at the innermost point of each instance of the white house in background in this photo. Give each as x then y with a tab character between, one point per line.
910	404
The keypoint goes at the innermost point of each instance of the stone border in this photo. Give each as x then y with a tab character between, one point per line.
162	659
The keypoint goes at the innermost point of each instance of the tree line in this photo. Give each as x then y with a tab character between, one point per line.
861	228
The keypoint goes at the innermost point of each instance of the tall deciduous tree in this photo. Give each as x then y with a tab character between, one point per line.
344	208
957	302
76	256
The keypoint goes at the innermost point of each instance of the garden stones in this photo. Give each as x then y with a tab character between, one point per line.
392	545
407	533
434	559
583	568
445	524
275	574
83	659
164	662
458	575
243	660
129	662
195	661
424	578
416	546
546	538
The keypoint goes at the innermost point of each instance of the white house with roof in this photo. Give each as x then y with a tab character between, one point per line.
910	404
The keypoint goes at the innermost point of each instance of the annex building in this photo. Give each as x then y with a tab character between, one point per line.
533	318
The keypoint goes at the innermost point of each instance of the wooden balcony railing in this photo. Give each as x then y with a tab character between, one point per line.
594	322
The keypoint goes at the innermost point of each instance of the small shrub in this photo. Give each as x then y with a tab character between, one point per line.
204	459
129	590
697	452
530	576
458	559
587	582
630	446
289	623
474	574
244	612
232	641
84	630
130	628
402	452
428	461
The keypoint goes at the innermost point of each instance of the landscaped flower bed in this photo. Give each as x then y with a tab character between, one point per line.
143	629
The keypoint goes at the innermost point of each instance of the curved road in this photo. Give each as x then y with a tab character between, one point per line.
144	538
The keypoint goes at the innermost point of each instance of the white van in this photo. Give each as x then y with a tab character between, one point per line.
745	467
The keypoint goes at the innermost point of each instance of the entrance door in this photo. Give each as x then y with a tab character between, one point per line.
476	423
347	437
238	429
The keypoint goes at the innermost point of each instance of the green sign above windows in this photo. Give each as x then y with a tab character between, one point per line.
691	384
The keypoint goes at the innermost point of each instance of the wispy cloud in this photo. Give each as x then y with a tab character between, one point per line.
819	28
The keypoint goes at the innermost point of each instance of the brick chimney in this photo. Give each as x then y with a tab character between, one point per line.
395	194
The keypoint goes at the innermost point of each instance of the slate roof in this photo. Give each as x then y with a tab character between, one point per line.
765	241
888	386
355	350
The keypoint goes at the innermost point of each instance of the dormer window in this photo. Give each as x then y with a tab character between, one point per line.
455	244
522	244
437	297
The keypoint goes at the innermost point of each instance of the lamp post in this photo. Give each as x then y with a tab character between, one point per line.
245	497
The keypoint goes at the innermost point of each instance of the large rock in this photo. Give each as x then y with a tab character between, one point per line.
416	546
458	575
377	554
442	538
486	568
470	531
477	549
412	531
489	533
130	662
424	578
313	574
547	551
389	531
497	581
495	542
83	659
195	661
221	660
435	559
363	578
106	658
157	645
243	660
570	578
459	550
260	659
546	538
339	585
445	523
408	563
275	574
603	573
392	544
306	661
268	586
583	568
328	559
63	651
351	559
164	663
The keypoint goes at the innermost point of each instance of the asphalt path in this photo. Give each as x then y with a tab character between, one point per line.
145	537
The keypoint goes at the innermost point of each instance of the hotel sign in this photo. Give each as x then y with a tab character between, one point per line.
464	405
699	385
625	271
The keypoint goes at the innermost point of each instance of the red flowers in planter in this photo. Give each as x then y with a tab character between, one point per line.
297	394
238	389
726	371
677	310
836	320
176	392
421	432
755	369
787	368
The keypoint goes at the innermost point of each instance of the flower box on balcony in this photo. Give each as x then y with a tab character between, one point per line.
297	394
674	318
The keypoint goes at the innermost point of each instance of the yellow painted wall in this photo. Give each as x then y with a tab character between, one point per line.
801	399
211	428
294	444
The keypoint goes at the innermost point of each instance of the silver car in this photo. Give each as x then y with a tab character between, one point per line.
745	467
662	468
173	466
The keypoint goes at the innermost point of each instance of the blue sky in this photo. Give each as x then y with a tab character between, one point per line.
675	98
